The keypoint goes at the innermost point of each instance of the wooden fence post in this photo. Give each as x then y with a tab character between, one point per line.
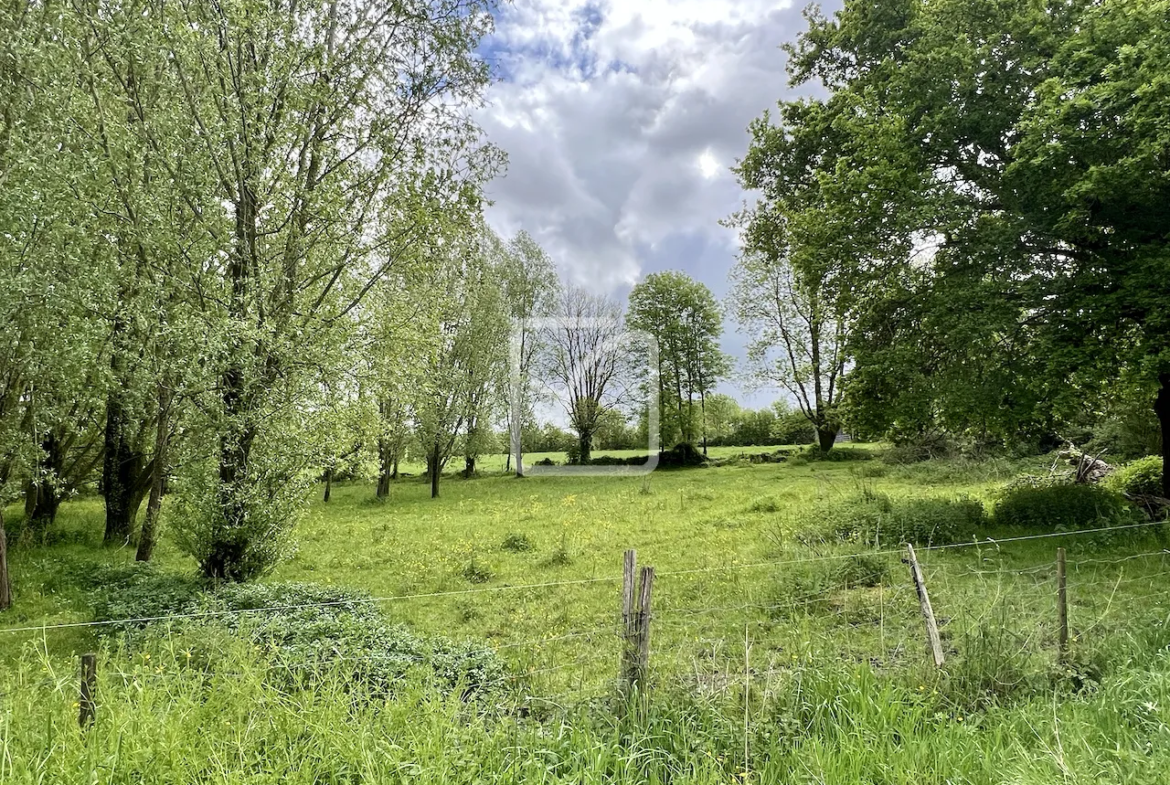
646	579
1061	601
629	630
932	637
87	707
637	590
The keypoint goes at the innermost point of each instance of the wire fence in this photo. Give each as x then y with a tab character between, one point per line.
864	605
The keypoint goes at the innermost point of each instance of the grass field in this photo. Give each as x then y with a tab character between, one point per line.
776	656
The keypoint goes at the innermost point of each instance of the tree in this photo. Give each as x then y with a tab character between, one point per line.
795	339
463	368
530	287
1034	168
586	362
336	131
685	319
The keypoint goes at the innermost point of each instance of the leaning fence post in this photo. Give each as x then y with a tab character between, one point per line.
927	612
1061	601
87	708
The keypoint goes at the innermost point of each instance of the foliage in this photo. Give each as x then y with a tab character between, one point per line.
305	631
879	520
1142	477
999	253
1062	506
686	322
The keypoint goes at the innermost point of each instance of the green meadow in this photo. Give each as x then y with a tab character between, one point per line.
787	643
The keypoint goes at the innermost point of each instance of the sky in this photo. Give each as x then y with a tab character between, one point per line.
621	120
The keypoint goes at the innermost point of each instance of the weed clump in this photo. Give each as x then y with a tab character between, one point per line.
517	542
476	571
1062	506
877	520
304	632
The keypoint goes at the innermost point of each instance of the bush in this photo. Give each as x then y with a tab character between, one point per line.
303	630
837	455
920	447
793	428
257	536
1142	477
812	585
517	542
682	455
1062	506
878	520
613	460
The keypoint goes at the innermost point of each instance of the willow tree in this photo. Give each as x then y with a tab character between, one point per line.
336	133
530	289
463	372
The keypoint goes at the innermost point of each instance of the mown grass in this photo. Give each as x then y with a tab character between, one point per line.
808	650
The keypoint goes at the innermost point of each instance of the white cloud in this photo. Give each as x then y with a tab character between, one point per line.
621	119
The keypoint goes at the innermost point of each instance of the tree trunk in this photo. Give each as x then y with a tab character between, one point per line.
158	476
5	580
703	409
826	437
328	483
585	443
123	466
468	466
388	464
434	470
44	494
394	473
1162	408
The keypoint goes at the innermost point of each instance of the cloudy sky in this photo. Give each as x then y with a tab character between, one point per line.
621	119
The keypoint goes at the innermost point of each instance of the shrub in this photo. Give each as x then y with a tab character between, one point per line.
546	462
837	455
517	542
256	535
1142	477
1062	506
876	519
920	447
613	460
303	630
812	584
682	455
